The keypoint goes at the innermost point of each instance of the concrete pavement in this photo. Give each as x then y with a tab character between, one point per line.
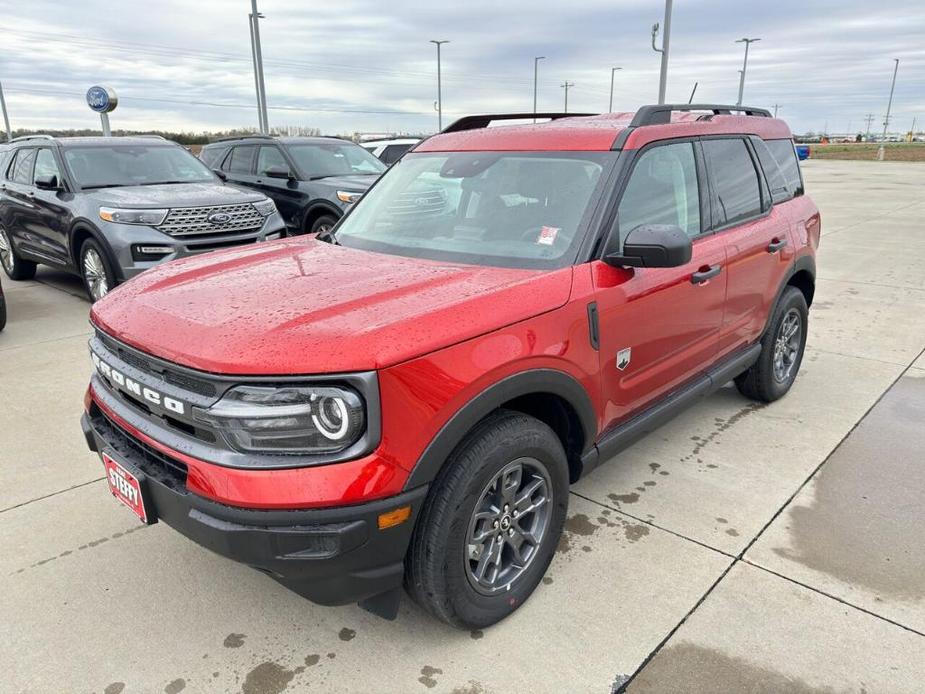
738	548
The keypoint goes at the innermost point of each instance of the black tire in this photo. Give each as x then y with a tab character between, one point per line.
324	222
439	575
2	312
15	267
95	270
764	380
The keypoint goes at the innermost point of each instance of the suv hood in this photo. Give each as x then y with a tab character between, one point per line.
301	306
349	182
175	195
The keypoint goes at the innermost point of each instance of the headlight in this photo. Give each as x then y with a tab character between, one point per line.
348	196
151	218
288	420
265	207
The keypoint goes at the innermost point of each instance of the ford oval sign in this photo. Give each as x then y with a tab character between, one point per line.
102	99
219	218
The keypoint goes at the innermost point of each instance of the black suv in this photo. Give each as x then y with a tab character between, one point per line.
108	208
313	180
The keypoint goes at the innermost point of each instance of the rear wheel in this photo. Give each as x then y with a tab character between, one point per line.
491	523
782	347
15	267
95	270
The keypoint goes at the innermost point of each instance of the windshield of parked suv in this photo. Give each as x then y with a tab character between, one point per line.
513	209
96	166
334	159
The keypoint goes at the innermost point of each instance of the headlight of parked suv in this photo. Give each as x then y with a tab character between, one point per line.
288	420
121	216
265	207
348	196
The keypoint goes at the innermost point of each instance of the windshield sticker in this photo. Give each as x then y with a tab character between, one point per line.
547	236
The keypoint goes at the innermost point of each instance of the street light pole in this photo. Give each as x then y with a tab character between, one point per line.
439	86
536	64
261	126
258	68
6	117
666	38
612	71
886	121
744	68
566	86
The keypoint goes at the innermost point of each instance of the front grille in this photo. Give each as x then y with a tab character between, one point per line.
422	203
189	221
165	469
177	378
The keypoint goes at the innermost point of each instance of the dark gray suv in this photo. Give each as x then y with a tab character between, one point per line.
312	180
108	208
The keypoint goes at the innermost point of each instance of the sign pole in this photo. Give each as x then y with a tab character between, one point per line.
104	121
6	117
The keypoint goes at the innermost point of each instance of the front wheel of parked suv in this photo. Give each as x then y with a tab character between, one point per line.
322	225
491	523
15	267
781	350
95	270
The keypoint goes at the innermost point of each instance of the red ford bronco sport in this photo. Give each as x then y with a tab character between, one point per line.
406	402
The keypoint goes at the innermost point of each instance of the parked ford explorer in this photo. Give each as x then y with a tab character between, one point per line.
313	180
408	404
108	208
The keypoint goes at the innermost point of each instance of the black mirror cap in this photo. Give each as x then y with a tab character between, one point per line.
221	174
653	245
49	182
278	172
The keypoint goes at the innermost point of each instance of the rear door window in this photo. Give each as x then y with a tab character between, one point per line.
21	172
786	157
241	160
736	185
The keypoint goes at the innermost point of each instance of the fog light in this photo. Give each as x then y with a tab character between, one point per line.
272	237
397	516
151	252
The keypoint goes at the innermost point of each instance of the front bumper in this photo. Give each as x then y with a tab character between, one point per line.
332	556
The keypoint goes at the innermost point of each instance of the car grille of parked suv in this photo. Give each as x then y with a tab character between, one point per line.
188	221
419	203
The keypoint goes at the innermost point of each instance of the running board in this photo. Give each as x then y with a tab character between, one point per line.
647	421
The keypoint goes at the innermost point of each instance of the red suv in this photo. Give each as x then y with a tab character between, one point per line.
406	402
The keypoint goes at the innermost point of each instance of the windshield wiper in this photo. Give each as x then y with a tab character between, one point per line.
107	185
166	183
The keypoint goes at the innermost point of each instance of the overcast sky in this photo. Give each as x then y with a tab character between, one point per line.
366	65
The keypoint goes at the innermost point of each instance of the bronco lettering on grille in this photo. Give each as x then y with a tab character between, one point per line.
135	388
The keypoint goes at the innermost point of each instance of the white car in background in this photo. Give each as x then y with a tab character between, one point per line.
390	151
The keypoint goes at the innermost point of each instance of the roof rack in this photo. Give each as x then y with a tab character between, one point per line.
482	121
151	137
23	138
244	137
661	113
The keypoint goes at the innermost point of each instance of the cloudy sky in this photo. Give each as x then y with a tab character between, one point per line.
366	65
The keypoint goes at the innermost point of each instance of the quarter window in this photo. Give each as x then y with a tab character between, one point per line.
786	157
662	189
21	172
45	165
735	180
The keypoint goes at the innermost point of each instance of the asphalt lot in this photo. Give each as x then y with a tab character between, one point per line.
739	548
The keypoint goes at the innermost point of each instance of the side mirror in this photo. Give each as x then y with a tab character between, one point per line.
653	245
49	182
278	172
221	174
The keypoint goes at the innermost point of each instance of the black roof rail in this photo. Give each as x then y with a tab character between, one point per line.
23	138
483	120
659	114
243	137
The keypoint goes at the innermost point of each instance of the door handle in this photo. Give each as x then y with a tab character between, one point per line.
706	273
776	244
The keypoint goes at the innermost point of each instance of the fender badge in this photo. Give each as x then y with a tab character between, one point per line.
623	358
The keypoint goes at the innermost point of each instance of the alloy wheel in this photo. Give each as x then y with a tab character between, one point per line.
508	526
787	345
6	252
95	274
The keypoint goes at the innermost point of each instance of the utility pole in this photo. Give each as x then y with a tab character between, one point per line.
666	38
536	67
257	52
870	119
776	106
566	86
6	117
439	86
744	68
612	71
889	106
261	126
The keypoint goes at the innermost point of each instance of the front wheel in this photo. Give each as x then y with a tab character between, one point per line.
322	225
782	347
491	523
95	270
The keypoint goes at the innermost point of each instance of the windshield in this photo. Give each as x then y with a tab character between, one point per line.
134	165
334	159
521	209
